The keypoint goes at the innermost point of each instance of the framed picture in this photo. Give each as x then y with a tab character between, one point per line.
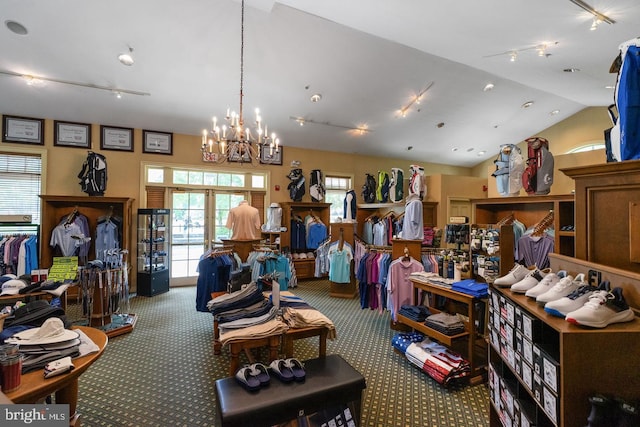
157	142
116	138
240	153
269	157
24	130
67	134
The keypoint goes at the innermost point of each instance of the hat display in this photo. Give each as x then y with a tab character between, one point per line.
12	287
52	331
34	313
6	277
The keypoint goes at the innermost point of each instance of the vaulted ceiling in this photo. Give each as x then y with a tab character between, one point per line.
367	59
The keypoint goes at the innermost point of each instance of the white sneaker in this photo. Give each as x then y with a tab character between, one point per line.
517	273
602	309
561	289
532	279
574	300
545	284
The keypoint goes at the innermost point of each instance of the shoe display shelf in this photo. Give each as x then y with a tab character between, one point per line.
470	343
153	252
544	370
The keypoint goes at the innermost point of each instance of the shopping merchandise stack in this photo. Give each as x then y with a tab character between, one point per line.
434	359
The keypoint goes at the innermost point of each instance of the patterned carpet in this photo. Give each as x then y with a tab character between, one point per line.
163	373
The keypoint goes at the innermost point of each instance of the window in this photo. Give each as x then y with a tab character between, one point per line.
155	175
224	203
589	147
20	180
336	188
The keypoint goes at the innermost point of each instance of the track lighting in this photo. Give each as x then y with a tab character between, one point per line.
33	79
513	56
598	17
361	130
416	100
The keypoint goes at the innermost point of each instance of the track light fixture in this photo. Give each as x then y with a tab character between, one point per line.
361	130
598	16
513	54
416	100
33	79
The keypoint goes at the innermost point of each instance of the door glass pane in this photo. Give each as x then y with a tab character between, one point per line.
224	203
187	232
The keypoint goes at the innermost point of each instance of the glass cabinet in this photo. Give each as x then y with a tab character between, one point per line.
153	251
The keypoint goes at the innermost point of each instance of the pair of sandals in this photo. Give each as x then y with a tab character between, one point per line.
288	370
253	376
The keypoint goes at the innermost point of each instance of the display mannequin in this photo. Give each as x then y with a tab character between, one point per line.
244	222
416	183
349	206
274	218
412	227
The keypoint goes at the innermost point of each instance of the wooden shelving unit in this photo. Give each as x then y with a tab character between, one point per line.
473	347
589	360
530	210
305	268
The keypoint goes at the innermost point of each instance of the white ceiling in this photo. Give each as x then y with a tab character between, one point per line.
368	58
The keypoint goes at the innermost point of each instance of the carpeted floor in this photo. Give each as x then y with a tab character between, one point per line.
163	373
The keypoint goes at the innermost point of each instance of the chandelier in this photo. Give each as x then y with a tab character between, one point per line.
233	142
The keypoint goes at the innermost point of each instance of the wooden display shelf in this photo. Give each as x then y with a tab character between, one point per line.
476	359
590	360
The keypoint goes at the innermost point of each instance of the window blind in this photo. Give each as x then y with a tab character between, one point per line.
20	185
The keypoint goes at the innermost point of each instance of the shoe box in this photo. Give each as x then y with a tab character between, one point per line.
529	351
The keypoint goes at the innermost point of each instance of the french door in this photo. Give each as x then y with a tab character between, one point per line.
198	218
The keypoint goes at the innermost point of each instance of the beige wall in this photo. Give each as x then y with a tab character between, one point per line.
64	164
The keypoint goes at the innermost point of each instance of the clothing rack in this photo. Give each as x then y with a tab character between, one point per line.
542	225
507	220
71	216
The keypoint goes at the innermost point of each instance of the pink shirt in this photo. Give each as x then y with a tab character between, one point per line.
399	287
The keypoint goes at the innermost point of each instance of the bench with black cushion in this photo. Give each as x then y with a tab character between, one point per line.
330	383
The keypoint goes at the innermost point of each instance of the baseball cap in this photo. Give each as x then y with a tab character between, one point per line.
13	286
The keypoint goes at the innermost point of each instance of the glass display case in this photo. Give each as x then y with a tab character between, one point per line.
153	251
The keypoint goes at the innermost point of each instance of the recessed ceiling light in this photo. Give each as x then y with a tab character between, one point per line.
554	112
609	87
16	27
482	153
488	87
469	150
440	125
571	70
527	104
454	149
316	97
409	148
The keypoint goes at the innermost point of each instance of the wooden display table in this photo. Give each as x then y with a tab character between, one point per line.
34	387
273	342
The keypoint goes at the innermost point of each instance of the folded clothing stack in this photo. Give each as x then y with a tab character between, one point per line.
448	324
402	340
471	287
417	313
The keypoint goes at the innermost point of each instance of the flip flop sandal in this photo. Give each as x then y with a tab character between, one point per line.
297	368
282	371
259	371
246	380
